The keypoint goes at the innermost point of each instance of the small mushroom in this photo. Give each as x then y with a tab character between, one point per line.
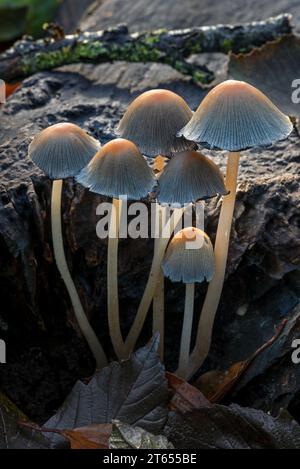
152	121
190	176
117	170
233	116
189	258
61	151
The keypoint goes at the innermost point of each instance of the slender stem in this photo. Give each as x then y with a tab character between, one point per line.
185	342
210	306
112	280
159	313
152	281
62	266
159	295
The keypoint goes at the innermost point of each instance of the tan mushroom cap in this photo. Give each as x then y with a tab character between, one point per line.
189	257
152	121
118	169
190	176
62	150
235	116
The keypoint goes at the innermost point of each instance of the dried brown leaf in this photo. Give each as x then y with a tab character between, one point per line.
185	396
215	385
133	391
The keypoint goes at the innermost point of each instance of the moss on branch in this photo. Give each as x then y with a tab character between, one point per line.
27	56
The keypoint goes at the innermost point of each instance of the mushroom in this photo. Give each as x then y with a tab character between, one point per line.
117	170
61	151
188	177
233	116
152	122
189	258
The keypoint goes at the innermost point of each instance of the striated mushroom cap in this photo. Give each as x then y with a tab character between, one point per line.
118	169
235	116
62	150
153	120
189	257
188	177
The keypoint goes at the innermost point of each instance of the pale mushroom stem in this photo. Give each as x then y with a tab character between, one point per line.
210	306
185	342
152	281
159	295
159	313
59	254
112	280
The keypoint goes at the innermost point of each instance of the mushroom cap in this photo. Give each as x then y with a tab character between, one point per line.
152	121
118	169
235	116
62	150
189	257
188	177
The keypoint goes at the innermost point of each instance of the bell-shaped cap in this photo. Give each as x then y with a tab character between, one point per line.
235	116
189	257
153	120
62	150
190	176
118	169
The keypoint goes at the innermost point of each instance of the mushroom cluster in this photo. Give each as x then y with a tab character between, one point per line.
159	126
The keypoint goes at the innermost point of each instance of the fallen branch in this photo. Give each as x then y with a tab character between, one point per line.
169	47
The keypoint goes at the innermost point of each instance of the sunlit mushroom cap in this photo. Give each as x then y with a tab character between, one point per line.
62	150
189	257
188	177
235	116
118	169
153	120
